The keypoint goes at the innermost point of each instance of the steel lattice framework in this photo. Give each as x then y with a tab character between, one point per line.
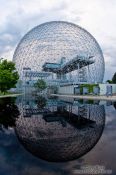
52	41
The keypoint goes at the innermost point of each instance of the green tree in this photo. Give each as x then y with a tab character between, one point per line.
8	76
41	102
40	85
114	78
109	81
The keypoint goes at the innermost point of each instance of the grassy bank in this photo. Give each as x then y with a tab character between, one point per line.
9	94
6	93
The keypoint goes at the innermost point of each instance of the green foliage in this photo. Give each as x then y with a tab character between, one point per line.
40	85
6	93
41	102
8	75
109	81
89	86
114	78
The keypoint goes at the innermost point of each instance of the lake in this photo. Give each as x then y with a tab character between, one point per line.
57	136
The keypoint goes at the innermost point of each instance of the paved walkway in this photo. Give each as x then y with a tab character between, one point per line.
9	95
89	97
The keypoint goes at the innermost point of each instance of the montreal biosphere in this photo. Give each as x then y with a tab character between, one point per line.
61	48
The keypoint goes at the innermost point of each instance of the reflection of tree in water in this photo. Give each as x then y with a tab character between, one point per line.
114	104
8	112
41	102
62	135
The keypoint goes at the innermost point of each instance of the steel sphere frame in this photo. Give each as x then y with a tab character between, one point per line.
52	41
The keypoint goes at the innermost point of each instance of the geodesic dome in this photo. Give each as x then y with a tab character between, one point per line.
51	41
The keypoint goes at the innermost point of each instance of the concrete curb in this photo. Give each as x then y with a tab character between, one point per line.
104	98
10	95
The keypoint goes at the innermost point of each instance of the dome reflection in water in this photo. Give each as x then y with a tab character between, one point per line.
59	131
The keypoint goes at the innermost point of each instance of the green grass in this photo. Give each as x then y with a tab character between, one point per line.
6	93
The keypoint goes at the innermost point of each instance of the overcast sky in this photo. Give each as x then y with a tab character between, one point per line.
17	17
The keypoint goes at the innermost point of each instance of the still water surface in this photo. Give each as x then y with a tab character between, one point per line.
56	136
